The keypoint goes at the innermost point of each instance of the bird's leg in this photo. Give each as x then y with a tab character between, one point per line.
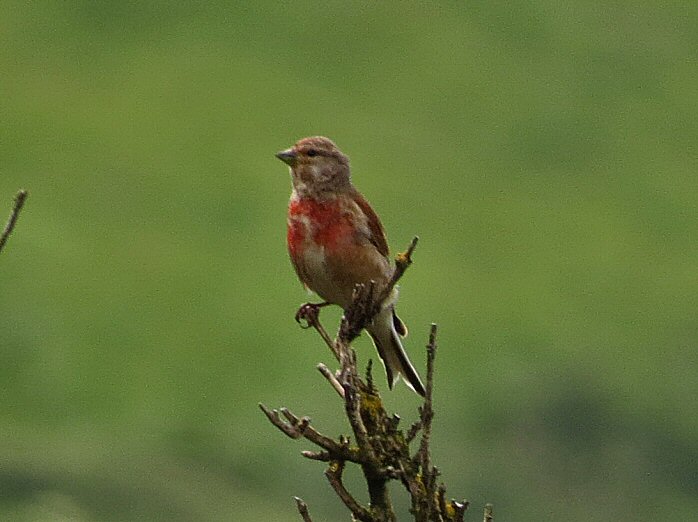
310	313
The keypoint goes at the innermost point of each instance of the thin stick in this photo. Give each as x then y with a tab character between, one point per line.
329	375
402	261
334	476
427	411
296	428
19	203
325	337
310	313
303	509
323	456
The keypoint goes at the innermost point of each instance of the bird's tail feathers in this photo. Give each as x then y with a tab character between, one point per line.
385	331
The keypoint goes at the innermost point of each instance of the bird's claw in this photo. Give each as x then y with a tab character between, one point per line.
310	313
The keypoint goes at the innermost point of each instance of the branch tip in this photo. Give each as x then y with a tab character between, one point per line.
331	378
489	516
323	456
303	509
19	200
432	335
404	259
412	246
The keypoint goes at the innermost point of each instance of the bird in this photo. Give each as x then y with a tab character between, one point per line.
336	240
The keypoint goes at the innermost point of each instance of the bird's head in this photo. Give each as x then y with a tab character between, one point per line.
318	167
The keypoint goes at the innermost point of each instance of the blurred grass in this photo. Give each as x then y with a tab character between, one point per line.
544	153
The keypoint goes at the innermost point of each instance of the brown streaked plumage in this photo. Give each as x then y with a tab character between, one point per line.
336	240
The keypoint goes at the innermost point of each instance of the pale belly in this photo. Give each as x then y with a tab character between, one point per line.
333	276
320	278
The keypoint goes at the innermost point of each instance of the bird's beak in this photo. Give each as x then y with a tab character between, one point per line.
288	156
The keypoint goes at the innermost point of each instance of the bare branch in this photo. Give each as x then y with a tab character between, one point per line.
310	313
296	428
334	476
290	429
303	509
20	198
301	424
414	429
323	456
352	408
380	447
329	375
426	411
402	262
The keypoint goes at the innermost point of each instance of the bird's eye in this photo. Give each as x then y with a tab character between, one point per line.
312	152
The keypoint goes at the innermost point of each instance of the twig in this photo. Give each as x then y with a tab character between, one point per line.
402	262
414	429
329	375
368	298
323	456
295	428
291	429
303	509
334	476
20	198
310	313
325	337
351	406
427	410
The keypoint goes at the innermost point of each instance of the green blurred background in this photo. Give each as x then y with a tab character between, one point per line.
544	152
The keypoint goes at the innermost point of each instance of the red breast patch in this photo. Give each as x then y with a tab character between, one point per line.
325	221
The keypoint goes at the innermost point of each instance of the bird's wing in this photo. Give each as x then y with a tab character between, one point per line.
377	234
